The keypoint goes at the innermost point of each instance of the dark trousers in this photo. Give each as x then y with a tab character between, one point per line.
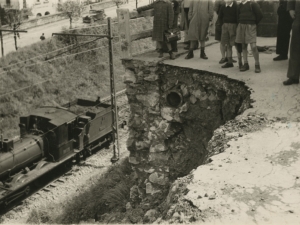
186	11
294	61
283	33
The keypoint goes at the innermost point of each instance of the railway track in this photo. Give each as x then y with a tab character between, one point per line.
59	176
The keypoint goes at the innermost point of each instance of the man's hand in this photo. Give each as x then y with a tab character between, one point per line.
293	14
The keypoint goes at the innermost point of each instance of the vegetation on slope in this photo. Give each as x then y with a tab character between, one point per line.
109	192
35	75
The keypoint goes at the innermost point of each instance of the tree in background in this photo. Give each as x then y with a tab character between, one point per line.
15	16
72	8
118	2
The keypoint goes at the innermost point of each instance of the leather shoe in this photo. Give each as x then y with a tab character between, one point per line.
172	56
223	60
290	81
203	55
227	65
186	47
190	55
280	57
257	69
245	67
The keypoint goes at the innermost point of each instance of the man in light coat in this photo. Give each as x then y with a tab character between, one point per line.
200	14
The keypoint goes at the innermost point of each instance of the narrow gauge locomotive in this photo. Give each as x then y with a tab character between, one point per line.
51	136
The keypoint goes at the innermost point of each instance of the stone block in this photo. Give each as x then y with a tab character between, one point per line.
203	97
193	99
183	108
152	77
197	93
129	77
149	170
150	189
133	160
158	156
130	143
150	99
140	145
184	89
158	148
170	114
212	97
159	178
150	216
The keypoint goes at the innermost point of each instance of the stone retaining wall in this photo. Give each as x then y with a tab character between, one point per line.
174	112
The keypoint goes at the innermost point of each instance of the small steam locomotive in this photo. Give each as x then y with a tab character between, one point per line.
49	137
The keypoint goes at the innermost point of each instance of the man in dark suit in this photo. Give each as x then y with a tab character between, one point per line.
283	31
293	72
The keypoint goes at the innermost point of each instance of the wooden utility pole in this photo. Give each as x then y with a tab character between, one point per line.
2	50
16	33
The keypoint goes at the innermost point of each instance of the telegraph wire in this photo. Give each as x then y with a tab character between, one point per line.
25	66
44	81
24	61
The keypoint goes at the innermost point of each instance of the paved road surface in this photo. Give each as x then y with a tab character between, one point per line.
34	34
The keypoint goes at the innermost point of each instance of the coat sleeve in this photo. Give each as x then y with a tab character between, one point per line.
217	6
182	17
258	13
191	10
144	8
221	15
211	10
170	15
291	5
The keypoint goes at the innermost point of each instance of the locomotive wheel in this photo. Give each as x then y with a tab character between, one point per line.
27	190
41	165
88	151
108	141
77	158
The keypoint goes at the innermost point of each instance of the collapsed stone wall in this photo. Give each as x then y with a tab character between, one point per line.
174	112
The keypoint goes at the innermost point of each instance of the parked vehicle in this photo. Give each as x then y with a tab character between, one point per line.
94	15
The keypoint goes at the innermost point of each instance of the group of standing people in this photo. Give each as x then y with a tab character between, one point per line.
236	26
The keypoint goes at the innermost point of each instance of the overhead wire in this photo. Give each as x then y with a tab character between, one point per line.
44	81
24	61
27	65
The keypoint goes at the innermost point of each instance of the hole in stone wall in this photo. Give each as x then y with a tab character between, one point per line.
174	99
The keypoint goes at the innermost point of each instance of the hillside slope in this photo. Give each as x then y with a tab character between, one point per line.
46	73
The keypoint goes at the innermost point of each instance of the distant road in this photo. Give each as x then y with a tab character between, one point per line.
34	34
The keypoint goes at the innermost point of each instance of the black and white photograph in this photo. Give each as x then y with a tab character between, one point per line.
150	112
